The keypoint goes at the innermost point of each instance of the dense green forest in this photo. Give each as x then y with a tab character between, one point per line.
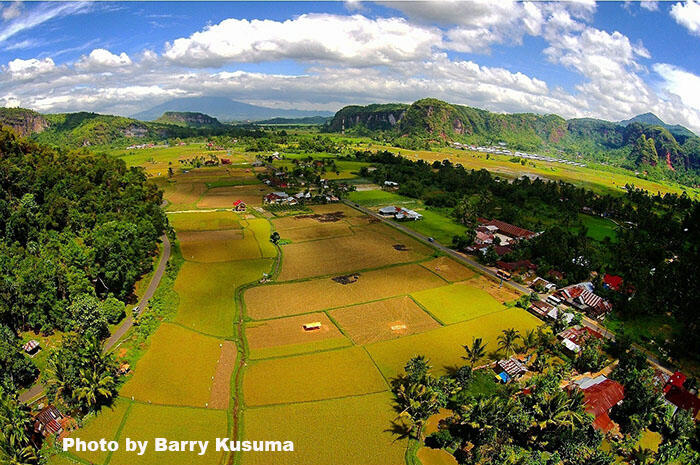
77	231
656	252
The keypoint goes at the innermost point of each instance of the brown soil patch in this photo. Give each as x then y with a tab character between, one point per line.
347	279
330	217
285	331
386	319
337	207
317	231
221	387
449	269
276	300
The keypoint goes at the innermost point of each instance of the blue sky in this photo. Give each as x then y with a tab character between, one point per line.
608	60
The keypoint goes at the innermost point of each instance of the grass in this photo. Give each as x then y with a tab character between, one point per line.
599	228
147	422
322	375
351	431
207	292
204	221
443	346
272	301
377	197
177	369
457	302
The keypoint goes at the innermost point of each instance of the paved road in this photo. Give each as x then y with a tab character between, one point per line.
452	253
487	271
128	322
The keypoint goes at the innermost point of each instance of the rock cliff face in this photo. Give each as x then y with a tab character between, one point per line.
373	117
189	119
24	122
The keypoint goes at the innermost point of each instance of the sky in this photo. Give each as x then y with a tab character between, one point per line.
608	60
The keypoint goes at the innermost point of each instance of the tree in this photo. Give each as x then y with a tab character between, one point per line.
16	370
96	388
641	455
528	341
112	309
15	429
87	318
644	151
591	357
507	340
475	352
275	237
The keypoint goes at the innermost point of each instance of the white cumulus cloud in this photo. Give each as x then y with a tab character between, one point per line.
28	69
687	14
101	59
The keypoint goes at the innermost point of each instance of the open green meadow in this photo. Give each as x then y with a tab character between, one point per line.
352	431
457	302
599	228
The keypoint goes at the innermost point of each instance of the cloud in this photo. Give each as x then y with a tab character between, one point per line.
687	14
353	40
42	13
12	11
649	5
680	82
102	60
29	69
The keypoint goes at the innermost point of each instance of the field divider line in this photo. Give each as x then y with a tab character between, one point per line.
120	428
220	338
426	310
158	404
434	272
377	367
330	309
337	325
318	351
302	402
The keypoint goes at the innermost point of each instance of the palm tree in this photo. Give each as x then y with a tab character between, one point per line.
528	341
416	402
641	456
506	341
96	387
15	423
476	352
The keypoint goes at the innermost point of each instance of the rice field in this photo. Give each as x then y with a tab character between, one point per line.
457	302
177	369
209	221
302	378
349	431
344	254
382	320
223	197
146	422
219	246
498	291
272	301
104	425
443	346
449	269
207	292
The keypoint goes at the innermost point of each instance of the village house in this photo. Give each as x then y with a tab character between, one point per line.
520	265
276	197
508	231
546	285
400	214
573	338
50	421
581	297
600	395
239	206
31	348
678	396
509	369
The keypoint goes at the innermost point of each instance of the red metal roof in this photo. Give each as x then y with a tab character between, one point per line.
601	397
603	423
612	281
681	398
509	229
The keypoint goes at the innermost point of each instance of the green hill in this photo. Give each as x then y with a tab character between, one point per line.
189	119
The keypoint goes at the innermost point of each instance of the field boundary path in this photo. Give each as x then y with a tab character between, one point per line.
607	334
38	388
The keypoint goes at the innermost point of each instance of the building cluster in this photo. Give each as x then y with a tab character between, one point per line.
501	150
499	235
400	213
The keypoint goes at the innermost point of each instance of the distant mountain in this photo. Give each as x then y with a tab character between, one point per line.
680	132
189	119
432	121
224	109
293	121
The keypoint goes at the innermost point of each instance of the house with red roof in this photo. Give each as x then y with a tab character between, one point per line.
239	206
581	297
613	282
508	229
676	393
599	398
573	338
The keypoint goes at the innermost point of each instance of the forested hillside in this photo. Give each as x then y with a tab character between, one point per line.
76	232
431	121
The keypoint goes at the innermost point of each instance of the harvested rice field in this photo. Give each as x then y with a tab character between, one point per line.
343	254
221	385
449	269
313	233
321	375
382	320
443	346
272	301
209	221
207	291
219	246
223	197
350	431
457	302
183	195
146	422
498	292
287	336
177	369
337	207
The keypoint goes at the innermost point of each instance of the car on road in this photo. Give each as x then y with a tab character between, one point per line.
430	239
